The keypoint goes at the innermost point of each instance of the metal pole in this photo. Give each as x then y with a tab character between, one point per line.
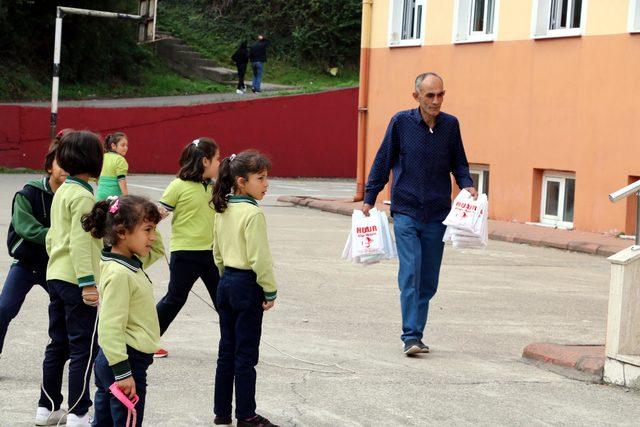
60	12
637	245
99	13
56	73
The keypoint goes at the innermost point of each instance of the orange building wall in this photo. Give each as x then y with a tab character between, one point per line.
569	104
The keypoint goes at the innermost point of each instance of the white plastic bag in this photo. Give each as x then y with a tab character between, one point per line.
465	212
366	234
370	239
467	223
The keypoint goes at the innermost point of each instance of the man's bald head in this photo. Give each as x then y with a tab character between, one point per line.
423	76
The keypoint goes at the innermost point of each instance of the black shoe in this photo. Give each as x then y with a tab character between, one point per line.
258	421
423	347
253	89
225	421
412	347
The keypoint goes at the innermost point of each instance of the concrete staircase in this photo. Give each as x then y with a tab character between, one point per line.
189	63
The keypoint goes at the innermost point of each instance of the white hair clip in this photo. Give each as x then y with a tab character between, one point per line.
196	142
233	156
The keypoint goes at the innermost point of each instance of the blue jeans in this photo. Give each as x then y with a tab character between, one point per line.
109	411
240	309
71	327
257	68
420	249
17	285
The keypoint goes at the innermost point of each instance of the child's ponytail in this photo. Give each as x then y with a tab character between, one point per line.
231	168
191	165
223	186
95	222
117	215
112	139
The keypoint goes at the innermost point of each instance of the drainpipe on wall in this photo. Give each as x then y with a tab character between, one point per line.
363	97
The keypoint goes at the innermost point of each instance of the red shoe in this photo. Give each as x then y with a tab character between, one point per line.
160	353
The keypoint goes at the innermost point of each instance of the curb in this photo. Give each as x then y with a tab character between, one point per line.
546	239
578	362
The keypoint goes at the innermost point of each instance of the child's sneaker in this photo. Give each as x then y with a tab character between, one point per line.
160	353
223	421
74	420
45	417
258	421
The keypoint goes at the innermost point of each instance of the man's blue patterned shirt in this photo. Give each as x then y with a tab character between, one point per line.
421	160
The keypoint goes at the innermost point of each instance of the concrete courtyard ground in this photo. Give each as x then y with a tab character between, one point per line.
346	320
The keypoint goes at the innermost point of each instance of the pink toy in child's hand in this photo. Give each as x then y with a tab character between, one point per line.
129	403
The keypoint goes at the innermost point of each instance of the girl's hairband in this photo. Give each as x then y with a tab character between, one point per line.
114	204
196	142
233	156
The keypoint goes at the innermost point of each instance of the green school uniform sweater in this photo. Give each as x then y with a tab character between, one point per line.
241	242
128	315
74	255
114	169
192	221
24	223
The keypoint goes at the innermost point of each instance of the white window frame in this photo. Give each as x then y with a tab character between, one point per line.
556	220
395	37
541	16
479	170
634	16
463	15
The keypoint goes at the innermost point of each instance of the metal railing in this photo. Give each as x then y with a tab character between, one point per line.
624	193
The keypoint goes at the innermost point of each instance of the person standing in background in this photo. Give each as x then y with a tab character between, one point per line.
241	58
258	56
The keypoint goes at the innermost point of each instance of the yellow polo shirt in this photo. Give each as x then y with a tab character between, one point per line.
193	214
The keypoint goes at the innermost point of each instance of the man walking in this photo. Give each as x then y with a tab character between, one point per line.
422	147
258	56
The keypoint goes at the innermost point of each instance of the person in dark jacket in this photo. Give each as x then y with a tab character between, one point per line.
258	56
30	222
241	58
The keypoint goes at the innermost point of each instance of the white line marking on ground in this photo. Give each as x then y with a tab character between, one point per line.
148	188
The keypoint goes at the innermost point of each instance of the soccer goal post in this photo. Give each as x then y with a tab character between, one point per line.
146	19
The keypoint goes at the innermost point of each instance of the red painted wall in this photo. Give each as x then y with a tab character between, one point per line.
304	135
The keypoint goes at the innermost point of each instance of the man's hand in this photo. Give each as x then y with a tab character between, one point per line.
128	387
266	305
473	191
366	208
90	296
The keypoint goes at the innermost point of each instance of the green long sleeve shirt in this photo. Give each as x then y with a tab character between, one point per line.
74	255
24	223
241	242
128	315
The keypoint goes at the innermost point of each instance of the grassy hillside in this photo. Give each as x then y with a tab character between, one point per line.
101	60
19	83
216	34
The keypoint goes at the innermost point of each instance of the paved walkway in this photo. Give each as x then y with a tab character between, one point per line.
573	240
269	90
581	362
490	304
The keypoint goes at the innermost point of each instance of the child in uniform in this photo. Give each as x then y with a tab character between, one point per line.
128	330
188	198
71	277
247	285
113	177
30	221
